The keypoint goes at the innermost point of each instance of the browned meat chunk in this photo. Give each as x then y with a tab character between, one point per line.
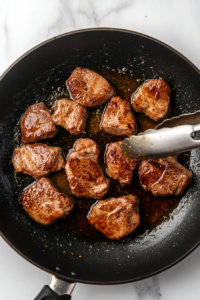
164	177
85	176
118	118
44	203
70	115
116	217
38	160
89	88
37	124
153	99
119	167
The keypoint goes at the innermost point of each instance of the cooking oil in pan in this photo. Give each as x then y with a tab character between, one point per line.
153	210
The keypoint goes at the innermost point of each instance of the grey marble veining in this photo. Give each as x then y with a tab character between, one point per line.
150	288
23	24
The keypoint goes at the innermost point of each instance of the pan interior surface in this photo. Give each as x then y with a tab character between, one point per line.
68	255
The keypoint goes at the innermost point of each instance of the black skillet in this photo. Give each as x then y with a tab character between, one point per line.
132	258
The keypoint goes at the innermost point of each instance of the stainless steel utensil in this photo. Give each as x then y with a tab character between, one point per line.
170	138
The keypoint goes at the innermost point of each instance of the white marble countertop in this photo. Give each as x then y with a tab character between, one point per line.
25	23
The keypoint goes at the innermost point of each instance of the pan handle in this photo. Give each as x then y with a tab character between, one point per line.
57	289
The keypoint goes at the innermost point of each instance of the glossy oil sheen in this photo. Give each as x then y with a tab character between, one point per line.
153	210
56	249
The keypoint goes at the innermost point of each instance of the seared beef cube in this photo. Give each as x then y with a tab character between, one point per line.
153	99
116	217
37	124
44	203
70	115
118	118
85	176
89	88
164	177
38	160
119	167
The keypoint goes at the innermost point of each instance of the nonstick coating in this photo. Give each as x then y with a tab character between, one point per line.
23	84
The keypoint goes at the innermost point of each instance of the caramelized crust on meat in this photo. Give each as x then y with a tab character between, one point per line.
85	176
38	160
153	99
118	118
70	115
37	124
44	203
164	177
89	88
119	167
116	217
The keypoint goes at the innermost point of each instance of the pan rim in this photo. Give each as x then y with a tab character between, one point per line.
97	29
70	279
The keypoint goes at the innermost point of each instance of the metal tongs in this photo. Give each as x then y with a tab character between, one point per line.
170	138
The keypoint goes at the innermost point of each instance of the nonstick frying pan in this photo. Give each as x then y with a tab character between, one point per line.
112	262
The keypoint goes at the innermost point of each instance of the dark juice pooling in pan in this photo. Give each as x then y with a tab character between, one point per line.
153	210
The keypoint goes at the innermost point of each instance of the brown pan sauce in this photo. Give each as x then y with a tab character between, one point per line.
153	210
